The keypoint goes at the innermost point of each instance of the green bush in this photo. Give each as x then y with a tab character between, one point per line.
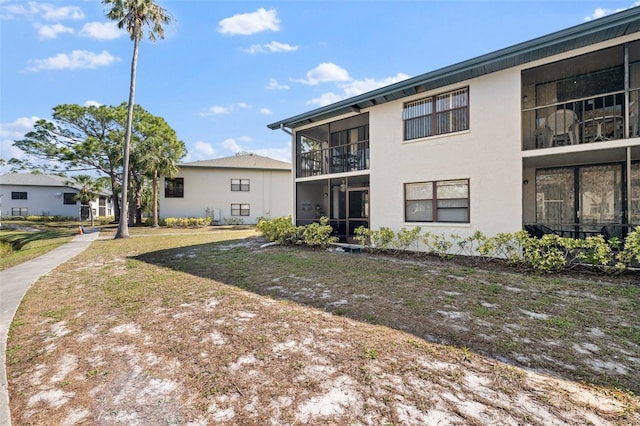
280	230
631	250
6	248
551	253
231	220
318	234
187	222
408	238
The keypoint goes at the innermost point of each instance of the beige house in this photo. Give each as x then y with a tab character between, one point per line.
28	194
240	188
542	135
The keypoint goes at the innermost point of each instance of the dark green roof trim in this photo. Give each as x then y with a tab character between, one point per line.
586	34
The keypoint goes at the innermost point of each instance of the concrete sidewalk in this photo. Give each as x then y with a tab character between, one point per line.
14	283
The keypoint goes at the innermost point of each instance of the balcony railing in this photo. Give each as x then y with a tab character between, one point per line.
585	120
338	159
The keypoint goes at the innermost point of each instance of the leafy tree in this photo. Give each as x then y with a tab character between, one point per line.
88	190
79	136
134	16
157	152
90	138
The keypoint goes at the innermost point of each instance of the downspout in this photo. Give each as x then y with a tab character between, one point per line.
285	130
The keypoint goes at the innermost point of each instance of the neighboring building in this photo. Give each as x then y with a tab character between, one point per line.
541	133
242	187
28	194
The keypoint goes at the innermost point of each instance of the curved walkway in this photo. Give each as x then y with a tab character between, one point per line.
14	283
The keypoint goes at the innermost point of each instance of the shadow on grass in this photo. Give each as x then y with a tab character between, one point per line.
563	327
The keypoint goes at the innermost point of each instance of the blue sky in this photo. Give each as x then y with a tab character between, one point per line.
226	69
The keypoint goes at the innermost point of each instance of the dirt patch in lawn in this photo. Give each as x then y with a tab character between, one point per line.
212	329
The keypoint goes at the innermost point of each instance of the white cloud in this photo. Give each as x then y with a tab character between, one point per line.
250	23
599	12
92	103
326	99
355	88
78	59
17	128
52	13
101	30
274	85
282	154
272	47
9	132
44	10
218	109
215	110
204	148
52	31
11	10
231	145
266	111
325	72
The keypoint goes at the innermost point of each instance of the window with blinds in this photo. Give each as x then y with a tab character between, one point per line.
437	115
240	209
240	184
440	201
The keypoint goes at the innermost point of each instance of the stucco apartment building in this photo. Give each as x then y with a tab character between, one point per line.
241	187
28	194
541	133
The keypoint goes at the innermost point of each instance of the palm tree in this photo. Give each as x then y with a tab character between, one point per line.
134	15
88	190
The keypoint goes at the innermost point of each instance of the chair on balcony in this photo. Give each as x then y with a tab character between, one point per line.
563	126
634	119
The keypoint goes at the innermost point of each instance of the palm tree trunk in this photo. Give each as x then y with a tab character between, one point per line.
154	189
123	226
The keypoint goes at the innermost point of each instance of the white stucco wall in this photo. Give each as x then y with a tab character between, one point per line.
270	193
41	200
488	154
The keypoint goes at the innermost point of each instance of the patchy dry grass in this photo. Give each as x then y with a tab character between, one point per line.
23	241
209	328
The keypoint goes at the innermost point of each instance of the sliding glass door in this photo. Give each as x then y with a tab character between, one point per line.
581	200
600	195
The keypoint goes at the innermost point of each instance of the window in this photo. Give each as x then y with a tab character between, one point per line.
174	187
451	115
69	198
239	209
442	201
19	211
240	184
18	195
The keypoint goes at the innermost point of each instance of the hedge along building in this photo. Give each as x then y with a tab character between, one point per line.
541	133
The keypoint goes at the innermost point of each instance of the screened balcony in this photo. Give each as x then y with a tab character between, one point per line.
588	99
338	147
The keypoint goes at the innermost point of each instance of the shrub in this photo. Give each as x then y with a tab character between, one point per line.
319	234
406	238
280	230
231	220
631	251
186	222
363	235
6	248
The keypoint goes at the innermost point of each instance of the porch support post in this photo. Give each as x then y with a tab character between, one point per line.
625	133
628	184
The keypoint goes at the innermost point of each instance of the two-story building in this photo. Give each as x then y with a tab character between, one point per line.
541	133
236	189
